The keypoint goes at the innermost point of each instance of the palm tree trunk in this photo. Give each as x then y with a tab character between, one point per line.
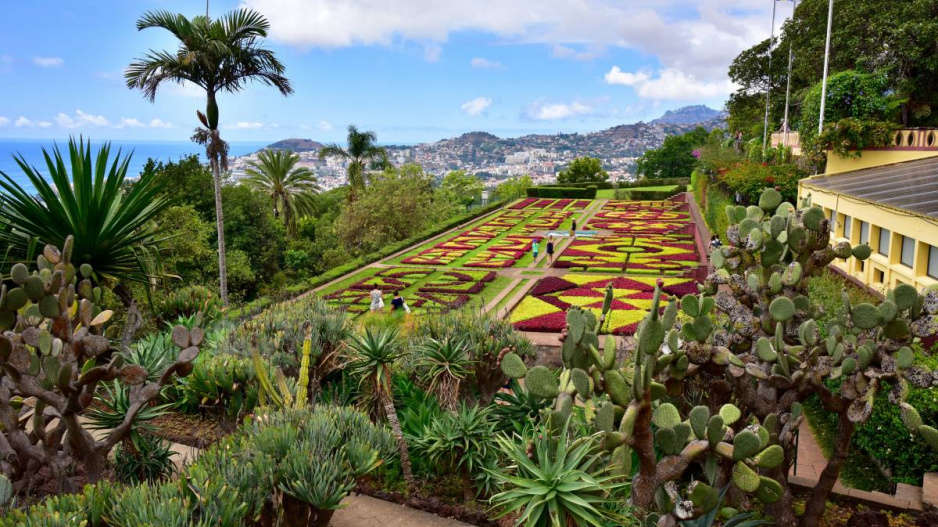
220	225
391	413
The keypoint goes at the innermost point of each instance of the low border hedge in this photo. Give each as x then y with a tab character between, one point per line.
588	192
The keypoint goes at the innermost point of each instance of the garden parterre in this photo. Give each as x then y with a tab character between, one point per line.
544	308
658	254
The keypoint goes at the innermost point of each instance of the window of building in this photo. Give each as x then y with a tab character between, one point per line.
879	276
833	220
933	262
884	242
908	252
848	226
864	232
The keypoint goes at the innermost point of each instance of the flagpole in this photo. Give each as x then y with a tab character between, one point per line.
827	56
791	55
768	89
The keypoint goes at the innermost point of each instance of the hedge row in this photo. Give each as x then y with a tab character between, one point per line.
299	288
647	195
712	198
563	192
645	182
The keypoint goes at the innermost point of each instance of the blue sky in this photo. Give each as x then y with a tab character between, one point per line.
412	70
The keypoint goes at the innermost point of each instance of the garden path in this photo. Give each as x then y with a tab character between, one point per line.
365	511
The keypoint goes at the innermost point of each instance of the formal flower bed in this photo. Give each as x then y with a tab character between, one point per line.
434	256
595	254
392	279
464	282
560	204
652	254
662	255
489	259
543	309
644	205
546	221
625	226
523	204
580	204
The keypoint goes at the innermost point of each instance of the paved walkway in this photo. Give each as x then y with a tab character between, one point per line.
365	511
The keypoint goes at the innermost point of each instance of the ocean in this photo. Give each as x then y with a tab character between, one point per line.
141	151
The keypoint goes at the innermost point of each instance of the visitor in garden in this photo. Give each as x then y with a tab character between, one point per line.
550	250
573	228
715	243
535	248
377	300
398	305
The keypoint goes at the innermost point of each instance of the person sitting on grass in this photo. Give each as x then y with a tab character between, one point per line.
398	306
550	250
535	247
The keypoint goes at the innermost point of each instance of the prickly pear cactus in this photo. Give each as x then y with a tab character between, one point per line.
55	348
750	342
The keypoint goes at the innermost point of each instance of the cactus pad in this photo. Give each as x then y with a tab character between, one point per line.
771	457
730	414
812	218
666	416
769	491
745	445
745	478
513	366
782	309
541	382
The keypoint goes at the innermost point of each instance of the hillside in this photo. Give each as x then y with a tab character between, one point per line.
296	145
689	115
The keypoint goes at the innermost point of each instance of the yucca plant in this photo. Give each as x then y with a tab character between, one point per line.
113	403
149	459
155	352
375	357
555	481
88	198
441	366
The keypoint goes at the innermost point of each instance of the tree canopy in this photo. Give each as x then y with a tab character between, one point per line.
583	170
675	158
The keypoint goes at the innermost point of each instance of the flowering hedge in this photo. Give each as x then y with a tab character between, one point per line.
544	309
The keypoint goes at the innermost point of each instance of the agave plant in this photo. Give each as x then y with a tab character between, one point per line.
88	199
518	408
558	483
442	365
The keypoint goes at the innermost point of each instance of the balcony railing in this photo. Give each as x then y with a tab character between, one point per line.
915	139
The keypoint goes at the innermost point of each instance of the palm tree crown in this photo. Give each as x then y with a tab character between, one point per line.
220	55
290	187
362	153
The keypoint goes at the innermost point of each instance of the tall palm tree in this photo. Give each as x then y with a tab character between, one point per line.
219	56
111	225
376	356
290	187
362	153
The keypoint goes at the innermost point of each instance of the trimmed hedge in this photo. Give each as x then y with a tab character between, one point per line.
256	306
588	192
598	184
647	195
716	197
645	182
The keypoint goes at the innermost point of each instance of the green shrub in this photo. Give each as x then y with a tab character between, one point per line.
144	458
588	192
462	441
751	178
187	302
222	382
712	199
240	481
647	195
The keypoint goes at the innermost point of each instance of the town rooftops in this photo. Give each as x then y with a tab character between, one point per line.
911	186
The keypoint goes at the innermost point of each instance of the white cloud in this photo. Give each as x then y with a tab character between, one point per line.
543	110
432	52
589	53
485	64
324	125
671	84
80	119
476	106
159	123
4	121
245	125
696	37
129	123
23	122
48	62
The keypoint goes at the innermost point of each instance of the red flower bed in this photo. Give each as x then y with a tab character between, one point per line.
581	204
561	204
550	323
523	204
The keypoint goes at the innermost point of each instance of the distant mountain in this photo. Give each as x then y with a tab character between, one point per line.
296	145
689	115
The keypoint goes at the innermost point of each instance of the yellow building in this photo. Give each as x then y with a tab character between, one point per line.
887	198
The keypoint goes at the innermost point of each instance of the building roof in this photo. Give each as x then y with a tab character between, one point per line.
911	186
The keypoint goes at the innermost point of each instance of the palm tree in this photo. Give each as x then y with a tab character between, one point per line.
221	55
290	187
376	357
361	153
110	224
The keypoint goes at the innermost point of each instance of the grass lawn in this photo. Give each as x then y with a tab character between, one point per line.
503	303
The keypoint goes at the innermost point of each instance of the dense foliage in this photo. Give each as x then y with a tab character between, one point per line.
675	158
583	170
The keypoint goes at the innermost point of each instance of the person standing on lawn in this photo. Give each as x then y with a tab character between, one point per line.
397	303
377	302
550	250
535	247
573	228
